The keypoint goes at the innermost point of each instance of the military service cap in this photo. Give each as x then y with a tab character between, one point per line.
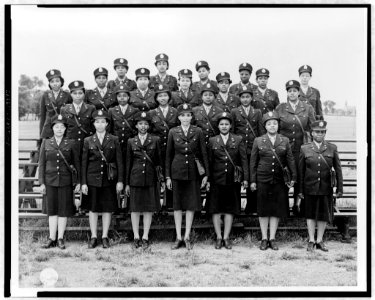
223	76
305	69
245	89
142	116
142	72
100	71
271	115
53	73
185	73
184	108
224	115
161	57
120	62
245	66
319	125
292	84
201	64
262	72
121	89
100	114
208	87
162	88
58	119
76	85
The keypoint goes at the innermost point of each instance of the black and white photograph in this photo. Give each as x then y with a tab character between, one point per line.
191	148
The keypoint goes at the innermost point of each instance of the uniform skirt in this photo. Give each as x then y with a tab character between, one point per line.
225	199
272	200
100	199
59	201
144	199
317	207
186	195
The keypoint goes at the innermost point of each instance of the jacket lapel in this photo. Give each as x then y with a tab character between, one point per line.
96	140
105	140
147	140
278	140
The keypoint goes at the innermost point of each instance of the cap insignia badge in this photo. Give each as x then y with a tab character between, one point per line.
100	69
199	63
244	64
161	55
224	114
142	70
100	112
263	71
121	60
208	85
270	114
143	115
291	82
59	117
185	106
160	87
321	124
76	83
185	71
305	67
222	73
52	72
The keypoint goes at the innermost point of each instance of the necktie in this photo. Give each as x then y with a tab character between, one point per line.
164	112
78	109
102	93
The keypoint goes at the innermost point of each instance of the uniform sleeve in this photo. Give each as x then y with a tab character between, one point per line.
301	171
87	96
110	84
169	154
84	162
120	164
129	162
210	156
42	114
337	167
42	163
291	162
277	100
203	150
111	122
319	110
254	160
244	162
311	118
75	153
175	85
158	160
261	128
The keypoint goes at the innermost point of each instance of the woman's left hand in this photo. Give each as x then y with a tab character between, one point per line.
204	182
208	187
162	187
119	187
77	188
291	184
245	184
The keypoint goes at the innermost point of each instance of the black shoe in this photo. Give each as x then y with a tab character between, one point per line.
105	243
188	244
310	246
263	245
60	244
273	245
227	244
93	243
321	246
145	244
177	244
50	244
137	243
218	244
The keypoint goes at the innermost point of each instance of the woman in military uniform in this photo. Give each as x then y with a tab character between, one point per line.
121	67
163	118
203	70
100	151
296	118
205	114
247	122
142	98
185	145
143	157
51	102
162	64
185	94
57	154
78	114
245	70
309	94
225	100
316	189
266	176
101	97
264	98
225	152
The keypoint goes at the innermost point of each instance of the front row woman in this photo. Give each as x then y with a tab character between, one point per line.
99	184
226	152
315	167
57	154
270	154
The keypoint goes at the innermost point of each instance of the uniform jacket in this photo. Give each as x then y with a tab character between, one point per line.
179	98
84	117
169	80
237	87
221	169
143	103
312	97
289	126
266	102
181	151
139	170
47	111
94	168
119	126
93	97
158	127
233	101
241	127
52	169
197	86
315	178
130	84
202	120
264	166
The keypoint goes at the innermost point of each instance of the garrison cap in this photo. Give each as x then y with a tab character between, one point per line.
142	72
271	115
121	89
185	73
223	76
184	108
224	115
262	72
76	85
201	64
142	116
100	114
305	68
245	66
292	84
245	89
59	119
120	62
100	71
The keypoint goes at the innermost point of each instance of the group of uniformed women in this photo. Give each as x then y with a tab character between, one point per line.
163	134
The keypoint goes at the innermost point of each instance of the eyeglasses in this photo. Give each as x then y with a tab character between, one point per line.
320	131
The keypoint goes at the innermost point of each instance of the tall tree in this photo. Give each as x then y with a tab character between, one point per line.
30	90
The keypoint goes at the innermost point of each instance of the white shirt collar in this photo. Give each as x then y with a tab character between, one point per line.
56	93
225	137
124	108
143	92
207	107
185	128
262	90
318	144
100	135
104	90
121	80
142	137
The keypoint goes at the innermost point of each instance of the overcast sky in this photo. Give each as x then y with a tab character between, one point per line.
78	40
